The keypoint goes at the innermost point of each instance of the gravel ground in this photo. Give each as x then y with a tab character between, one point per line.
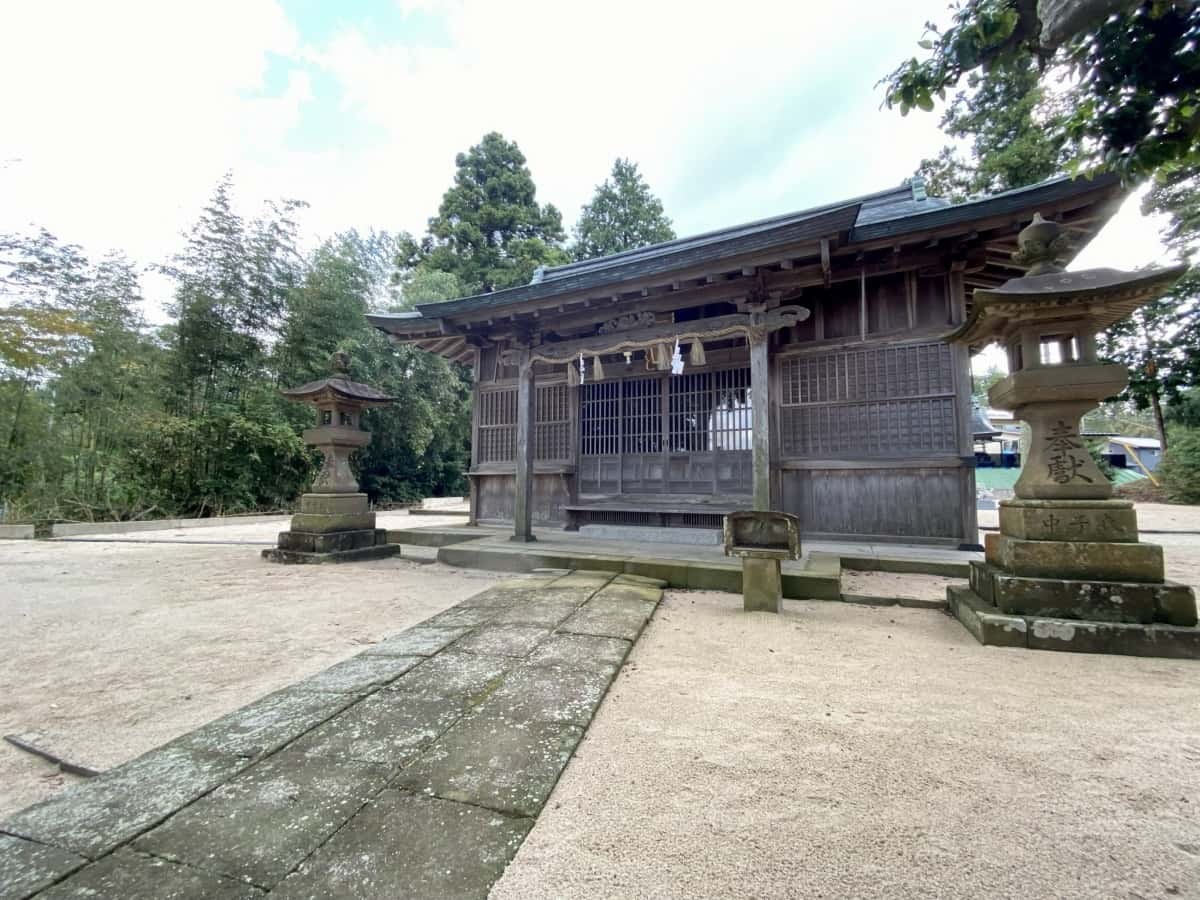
110	649
848	751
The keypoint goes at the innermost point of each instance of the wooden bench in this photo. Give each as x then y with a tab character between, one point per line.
660	515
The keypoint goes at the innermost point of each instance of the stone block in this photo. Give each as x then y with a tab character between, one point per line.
359	674
97	815
420	640
504	640
323	523
581	651
1100	601
610	617
565	694
389	727
639	579
1176	605
298	557
1083	560
402	845
812	585
983	622
991	548
546	613
462	617
487	761
762	588
129	875
455	680
267	724
334	504
1091	637
1069	520
672	571
980	580
262	824
328	542
26	867
714	576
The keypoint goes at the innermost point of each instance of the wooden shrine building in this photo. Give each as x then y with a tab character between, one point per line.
798	363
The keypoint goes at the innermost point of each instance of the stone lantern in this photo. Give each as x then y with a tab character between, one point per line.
1066	571
335	523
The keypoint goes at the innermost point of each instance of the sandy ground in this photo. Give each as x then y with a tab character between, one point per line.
894	584
110	649
849	751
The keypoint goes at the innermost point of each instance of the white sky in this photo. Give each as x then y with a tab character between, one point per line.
119	117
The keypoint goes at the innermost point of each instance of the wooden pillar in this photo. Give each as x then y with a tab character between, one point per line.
526	416
760	422
961	357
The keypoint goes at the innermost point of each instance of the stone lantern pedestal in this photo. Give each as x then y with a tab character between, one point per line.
335	522
1067	571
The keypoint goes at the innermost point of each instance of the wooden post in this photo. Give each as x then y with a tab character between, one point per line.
760	419
961	356
526	416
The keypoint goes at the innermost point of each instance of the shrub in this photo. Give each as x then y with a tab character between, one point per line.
1179	471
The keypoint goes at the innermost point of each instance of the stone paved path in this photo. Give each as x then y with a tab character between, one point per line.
413	769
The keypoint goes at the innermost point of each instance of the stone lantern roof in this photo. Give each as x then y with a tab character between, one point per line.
339	388
1099	297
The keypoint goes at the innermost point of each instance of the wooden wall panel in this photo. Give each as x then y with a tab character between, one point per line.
856	503
496	494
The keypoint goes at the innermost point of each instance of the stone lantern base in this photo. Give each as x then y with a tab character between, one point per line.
1072	575
332	528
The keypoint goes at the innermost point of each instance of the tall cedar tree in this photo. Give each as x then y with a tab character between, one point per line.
490	232
623	215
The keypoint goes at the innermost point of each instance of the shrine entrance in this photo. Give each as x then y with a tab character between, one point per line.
667	434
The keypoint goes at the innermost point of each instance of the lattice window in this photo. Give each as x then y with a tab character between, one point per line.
886	401
706	411
600	418
552	431
497	425
641	415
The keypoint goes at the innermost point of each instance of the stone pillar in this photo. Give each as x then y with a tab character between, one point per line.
760	405
762	585
526	416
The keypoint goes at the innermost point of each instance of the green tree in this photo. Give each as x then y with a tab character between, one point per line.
622	215
223	443
1135	101
232	278
490	232
1014	133
1179	471
1160	343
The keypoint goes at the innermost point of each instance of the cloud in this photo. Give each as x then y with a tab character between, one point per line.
128	113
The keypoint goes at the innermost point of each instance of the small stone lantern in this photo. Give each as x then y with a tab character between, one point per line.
335	523
1066	571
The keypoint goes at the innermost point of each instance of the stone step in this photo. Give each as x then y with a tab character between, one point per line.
820	581
991	627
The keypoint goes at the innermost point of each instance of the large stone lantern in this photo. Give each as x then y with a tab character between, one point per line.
335	523
1066	571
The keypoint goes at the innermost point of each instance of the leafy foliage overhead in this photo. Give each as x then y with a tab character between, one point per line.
1014	132
1135	97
